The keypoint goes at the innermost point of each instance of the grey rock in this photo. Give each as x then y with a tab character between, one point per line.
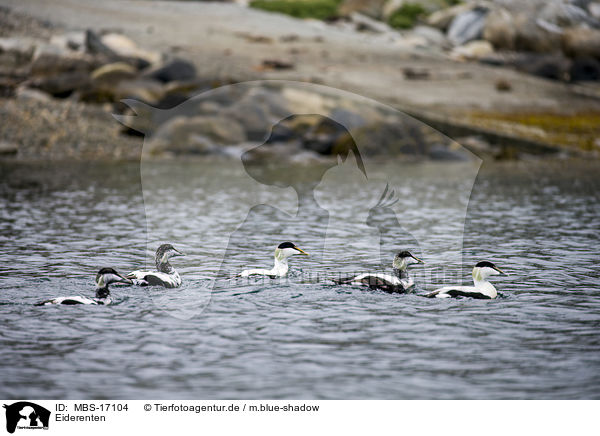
467	26
432	35
365	23
177	69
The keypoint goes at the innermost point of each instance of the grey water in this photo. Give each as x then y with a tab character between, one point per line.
218	337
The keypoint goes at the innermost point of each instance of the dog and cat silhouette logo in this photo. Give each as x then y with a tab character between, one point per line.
26	415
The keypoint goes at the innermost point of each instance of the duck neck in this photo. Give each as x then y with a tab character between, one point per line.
164	267
281	266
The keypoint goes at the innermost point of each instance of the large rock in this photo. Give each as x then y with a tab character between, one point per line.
472	50
500	29
467	26
581	42
113	73
532	37
62	84
566	15
365	23
177	69
432	36
124	46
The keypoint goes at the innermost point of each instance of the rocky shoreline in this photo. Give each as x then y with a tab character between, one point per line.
61	85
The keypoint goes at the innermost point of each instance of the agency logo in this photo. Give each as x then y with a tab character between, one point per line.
26	415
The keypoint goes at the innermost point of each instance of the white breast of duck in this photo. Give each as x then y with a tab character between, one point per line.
165	275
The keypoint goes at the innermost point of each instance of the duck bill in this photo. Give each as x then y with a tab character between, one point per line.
178	253
418	260
125	280
301	251
500	271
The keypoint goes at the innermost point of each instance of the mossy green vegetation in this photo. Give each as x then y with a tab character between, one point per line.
578	130
319	9
406	16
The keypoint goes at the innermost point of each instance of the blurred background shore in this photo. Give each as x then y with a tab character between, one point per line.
506	79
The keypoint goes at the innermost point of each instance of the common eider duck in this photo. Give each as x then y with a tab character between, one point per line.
284	251
165	275
398	282
481	289
105	277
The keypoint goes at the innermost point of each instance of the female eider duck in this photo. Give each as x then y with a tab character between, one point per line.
398	282
482	288
165	275
105	277
284	251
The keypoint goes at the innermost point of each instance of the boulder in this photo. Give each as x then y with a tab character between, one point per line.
532	37
581	42
565	15
500	29
431	35
177	69
467	26
124	46
113	73
62	84
472	50
365	23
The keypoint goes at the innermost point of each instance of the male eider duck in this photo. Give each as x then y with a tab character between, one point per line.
482	289
105	277
398	282
284	251
165	275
